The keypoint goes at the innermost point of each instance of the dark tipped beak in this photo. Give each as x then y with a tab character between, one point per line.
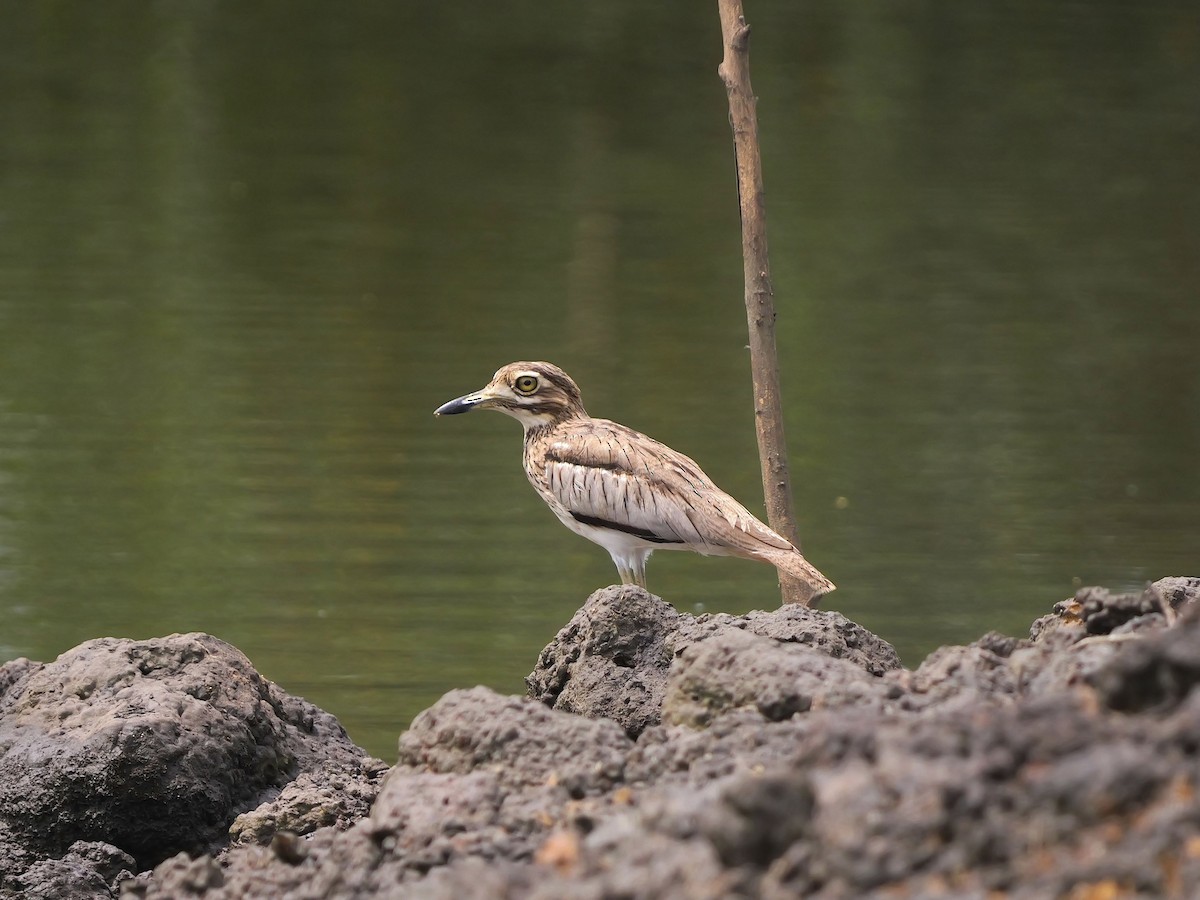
460	405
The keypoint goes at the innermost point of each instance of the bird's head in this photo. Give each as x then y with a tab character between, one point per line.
533	393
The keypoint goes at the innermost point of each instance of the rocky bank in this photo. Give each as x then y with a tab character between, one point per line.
658	755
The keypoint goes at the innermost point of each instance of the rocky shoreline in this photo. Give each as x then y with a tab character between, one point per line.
658	755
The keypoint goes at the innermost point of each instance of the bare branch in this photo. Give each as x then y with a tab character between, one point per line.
760	298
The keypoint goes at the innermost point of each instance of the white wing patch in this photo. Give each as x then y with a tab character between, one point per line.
608	473
615	496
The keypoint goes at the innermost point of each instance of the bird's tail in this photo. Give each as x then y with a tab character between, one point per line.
810	583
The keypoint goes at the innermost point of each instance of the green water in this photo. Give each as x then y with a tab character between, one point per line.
245	250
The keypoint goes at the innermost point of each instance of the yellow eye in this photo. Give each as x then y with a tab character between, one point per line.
526	384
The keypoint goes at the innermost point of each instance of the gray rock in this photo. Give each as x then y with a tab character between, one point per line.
830	633
481	776
334	796
14	671
1069	648
747	819
1058	766
151	746
523	742
627	860
1156	673
1097	611
499	879
426	819
734	669
88	870
1055	665
1179	592
630	864
613	658
183	876
15	859
958	675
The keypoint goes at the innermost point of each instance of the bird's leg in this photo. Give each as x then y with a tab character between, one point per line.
632	568
638	569
623	570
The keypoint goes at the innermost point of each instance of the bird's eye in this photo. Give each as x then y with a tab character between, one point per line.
526	384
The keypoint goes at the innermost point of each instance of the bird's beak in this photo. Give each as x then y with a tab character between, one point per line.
465	403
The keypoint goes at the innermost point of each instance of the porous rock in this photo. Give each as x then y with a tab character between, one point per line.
335	795
1067	648
523	742
151	747
735	668
613	658
1064	765
825	631
87	870
1157	673
423	816
1099	611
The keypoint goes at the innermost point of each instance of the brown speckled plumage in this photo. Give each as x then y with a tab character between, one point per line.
621	489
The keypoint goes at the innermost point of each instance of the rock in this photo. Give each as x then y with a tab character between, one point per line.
734	669
14	671
1060	765
179	876
149	746
334	796
748	818
1001	670
1096	610
481	776
428	818
613	658
1062	663
1065	617
1179	592
632	862
969	798
88	869
1156	673
523	742
830	633
1104	612
475	877
959	675
1067	648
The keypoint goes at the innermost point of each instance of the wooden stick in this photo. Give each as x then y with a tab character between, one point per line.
760	301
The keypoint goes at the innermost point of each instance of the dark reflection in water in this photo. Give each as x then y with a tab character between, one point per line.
245	251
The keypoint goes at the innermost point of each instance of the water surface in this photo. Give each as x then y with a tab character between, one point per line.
244	252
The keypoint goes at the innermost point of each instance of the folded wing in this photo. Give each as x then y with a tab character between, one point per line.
608	475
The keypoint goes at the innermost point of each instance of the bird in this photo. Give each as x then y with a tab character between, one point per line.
620	489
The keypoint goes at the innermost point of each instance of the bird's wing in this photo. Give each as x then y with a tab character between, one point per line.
608	475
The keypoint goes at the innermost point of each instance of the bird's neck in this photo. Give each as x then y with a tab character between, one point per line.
539	426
